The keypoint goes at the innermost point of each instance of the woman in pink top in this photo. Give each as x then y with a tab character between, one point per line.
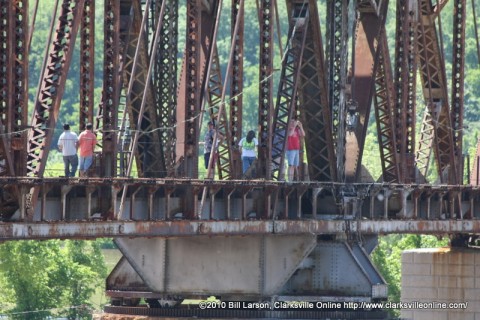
86	145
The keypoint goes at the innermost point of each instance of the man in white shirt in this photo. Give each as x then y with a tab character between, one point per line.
68	144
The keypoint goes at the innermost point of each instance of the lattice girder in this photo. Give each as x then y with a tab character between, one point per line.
87	70
384	113
50	91
148	152
287	88
265	93
165	81
405	84
435	133
337	31
314	109
107	115
369	25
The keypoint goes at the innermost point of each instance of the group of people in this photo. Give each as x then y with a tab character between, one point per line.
248	148
69	143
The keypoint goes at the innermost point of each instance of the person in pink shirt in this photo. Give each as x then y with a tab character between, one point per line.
86	145
295	132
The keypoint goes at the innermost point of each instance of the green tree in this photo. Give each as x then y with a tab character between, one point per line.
49	278
387	258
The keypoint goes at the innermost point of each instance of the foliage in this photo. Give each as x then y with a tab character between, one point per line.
387	258
106	243
50	278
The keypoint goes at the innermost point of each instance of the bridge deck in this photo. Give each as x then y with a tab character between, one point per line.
111	207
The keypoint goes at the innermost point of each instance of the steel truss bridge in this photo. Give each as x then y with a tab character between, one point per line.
241	239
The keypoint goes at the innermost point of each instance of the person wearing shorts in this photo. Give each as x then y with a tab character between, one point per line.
86	145
295	132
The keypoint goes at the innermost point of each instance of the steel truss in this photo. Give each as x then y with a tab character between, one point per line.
384	113
287	89
458	78
87	63
146	144
435	132
165	81
265	93
107	115
368	29
50	91
405	83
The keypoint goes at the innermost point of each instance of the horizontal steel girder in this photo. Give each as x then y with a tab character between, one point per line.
183	228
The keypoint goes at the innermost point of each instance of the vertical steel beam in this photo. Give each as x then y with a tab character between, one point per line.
435	132
266	87
337	31
13	98
20	88
314	108
458	78
50	91
189	97
236	89
7	21
107	113
405	77
87	63
165	81
216	101
143	121
214	96
384	100
287	89
368	28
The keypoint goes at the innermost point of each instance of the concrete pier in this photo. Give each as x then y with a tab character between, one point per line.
441	284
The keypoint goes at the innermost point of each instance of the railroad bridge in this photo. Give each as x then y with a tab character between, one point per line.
253	237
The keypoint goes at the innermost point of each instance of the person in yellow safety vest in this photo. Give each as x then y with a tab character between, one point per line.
248	148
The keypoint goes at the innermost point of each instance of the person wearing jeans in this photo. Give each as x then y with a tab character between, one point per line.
86	145
248	148
68	144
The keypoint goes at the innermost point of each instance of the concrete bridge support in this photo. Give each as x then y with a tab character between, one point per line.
445	281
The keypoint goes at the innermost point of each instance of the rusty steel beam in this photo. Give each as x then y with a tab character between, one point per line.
200	28
265	92
50	91
7	21
384	113
87	63
107	115
314	108
236	91
165	81
98	229
13	99
435	134
337	30
287	88
458	79
214	97
368	29
140	102
405	83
